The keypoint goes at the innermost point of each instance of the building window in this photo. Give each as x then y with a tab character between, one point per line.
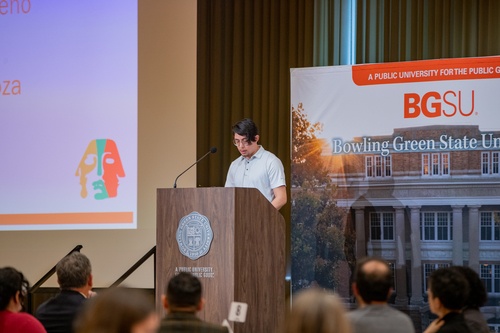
436	226
490	275
378	166
429	268
495	328
490	162
436	164
382	226
490	226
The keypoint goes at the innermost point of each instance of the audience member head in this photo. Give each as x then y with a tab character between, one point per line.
372	281
183	294
118	310
317	311
13	289
447	291
477	295
247	128
75	272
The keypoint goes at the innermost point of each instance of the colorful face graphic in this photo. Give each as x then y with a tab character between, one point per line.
101	161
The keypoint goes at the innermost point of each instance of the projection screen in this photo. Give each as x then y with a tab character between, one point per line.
68	114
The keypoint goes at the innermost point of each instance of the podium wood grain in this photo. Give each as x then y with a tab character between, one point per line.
247	253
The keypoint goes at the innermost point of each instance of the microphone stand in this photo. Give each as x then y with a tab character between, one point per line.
212	150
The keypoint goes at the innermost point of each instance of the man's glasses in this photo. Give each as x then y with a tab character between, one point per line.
243	142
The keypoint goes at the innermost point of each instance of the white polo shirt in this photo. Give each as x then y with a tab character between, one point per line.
263	171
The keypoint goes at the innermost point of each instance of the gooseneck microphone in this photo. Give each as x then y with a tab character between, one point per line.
211	151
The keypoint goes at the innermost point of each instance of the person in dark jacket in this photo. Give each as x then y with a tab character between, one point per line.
447	292
74	276
181	302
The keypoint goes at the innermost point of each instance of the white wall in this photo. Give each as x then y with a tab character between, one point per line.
167	145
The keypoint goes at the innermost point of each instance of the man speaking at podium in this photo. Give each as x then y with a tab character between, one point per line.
256	167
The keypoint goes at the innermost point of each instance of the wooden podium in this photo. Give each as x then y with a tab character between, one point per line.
245	261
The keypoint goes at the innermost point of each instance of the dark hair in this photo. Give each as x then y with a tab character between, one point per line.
11	282
184	290
374	284
477	296
450	287
247	128
73	271
115	310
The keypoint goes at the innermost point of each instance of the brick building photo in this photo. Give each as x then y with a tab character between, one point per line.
423	198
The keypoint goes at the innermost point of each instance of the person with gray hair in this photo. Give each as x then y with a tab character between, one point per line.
74	276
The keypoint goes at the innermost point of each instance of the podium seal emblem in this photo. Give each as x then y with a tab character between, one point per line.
194	235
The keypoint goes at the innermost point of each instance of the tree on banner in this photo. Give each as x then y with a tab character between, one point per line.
318	224
307	165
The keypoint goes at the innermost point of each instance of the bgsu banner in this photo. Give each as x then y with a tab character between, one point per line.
399	161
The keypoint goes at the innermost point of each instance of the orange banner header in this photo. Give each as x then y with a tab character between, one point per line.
66	218
427	70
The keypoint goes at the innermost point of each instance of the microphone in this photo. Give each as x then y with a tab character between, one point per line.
212	150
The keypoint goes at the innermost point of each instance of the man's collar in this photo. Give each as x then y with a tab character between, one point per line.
181	315
73	291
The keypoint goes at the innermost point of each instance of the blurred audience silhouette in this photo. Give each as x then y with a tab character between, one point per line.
118	310
316	311
372	288
476	298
